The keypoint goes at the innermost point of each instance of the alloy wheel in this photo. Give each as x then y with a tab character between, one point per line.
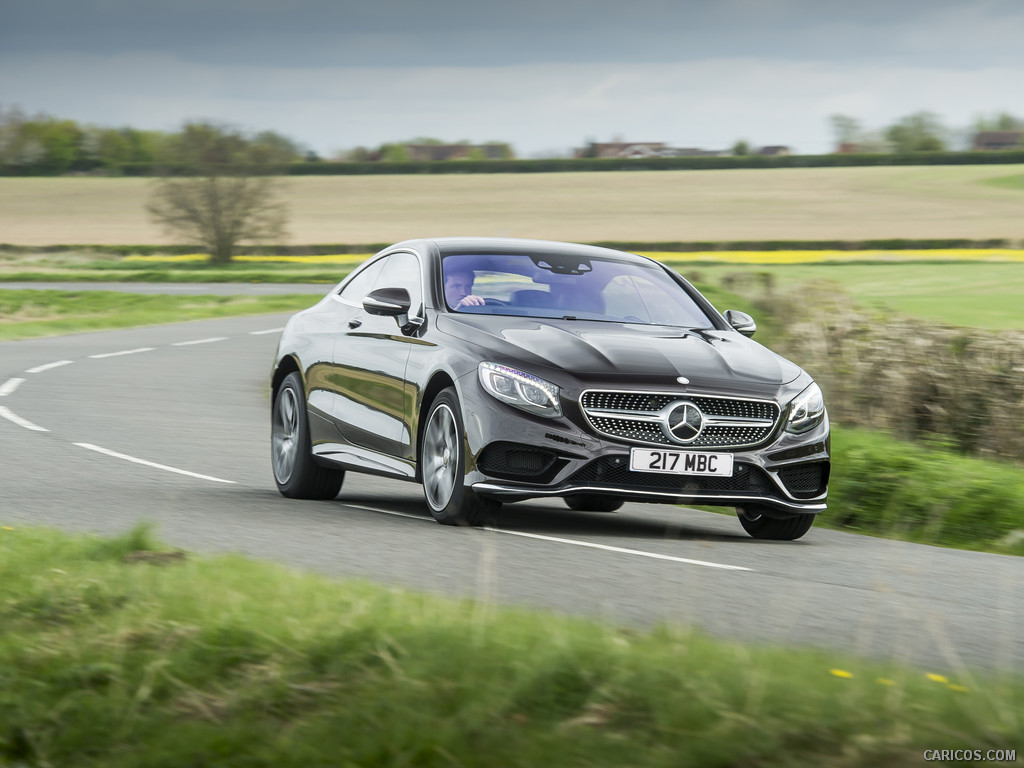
285	434
441	457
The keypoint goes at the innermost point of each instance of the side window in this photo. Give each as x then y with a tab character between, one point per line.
360	285
402	270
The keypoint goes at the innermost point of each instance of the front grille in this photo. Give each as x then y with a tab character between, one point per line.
614	471
805	480
729	422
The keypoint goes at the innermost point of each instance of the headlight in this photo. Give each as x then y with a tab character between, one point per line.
806	411
532	394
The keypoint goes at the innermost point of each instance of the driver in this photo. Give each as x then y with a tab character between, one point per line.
458	289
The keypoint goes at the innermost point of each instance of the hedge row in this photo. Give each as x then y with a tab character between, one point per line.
558	165
675	246
918	379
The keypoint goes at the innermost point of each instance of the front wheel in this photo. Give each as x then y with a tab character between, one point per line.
760	526
443	467
296	472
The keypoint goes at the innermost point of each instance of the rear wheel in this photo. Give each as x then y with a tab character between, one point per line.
593	502
296	472
760	526
443	467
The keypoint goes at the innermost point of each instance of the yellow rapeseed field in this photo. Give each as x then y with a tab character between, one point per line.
721	257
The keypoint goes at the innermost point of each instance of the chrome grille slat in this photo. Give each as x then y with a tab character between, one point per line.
632	417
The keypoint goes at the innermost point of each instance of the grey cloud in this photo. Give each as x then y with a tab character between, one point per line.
303	33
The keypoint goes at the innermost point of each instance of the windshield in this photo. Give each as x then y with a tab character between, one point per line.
557	287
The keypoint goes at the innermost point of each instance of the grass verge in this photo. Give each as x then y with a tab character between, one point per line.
32	313
981	295
923	493
115	654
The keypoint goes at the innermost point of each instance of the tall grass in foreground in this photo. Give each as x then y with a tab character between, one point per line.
117	656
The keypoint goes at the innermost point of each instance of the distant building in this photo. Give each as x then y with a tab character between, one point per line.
989	141
692	152
622	149
641	150
773	151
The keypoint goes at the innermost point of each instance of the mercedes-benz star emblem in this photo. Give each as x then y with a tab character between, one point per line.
684	422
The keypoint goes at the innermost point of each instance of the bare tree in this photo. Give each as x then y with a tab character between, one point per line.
217	198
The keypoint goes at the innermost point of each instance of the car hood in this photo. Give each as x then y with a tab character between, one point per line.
633	353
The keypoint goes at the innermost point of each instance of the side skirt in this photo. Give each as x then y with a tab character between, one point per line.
364	460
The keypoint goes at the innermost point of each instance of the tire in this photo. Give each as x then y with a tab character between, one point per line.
443	467
594	502
296	472
761	526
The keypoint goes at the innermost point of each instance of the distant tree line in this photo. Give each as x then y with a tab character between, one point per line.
45	145
429	149
921	132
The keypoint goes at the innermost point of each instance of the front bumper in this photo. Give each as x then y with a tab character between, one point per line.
513	456
792	488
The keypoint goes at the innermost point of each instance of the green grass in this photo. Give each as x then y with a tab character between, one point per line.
176	274
923	493
32	313
1015	181
183	660
979	295
82	266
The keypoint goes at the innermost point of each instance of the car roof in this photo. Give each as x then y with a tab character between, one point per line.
512	245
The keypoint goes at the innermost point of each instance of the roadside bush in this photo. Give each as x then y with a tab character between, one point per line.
917	380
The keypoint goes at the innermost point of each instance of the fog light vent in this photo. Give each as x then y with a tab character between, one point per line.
805	480
514	460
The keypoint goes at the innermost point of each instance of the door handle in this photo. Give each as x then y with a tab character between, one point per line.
354	323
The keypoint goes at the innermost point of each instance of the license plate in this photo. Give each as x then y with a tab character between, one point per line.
681	462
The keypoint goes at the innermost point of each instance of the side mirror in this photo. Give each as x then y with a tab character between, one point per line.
390	302
740	321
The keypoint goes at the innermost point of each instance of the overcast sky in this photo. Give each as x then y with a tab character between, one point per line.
544	75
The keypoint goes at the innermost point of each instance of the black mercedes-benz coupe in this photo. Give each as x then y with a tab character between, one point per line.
494	370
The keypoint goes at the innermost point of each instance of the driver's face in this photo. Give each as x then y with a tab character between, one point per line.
457	286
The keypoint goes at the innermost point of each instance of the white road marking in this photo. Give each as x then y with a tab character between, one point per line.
621	550
8	387
389	512
48	366
13	417
199	341
269	330
134	460
122	352
574	542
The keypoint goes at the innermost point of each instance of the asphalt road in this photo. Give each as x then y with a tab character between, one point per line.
80	412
